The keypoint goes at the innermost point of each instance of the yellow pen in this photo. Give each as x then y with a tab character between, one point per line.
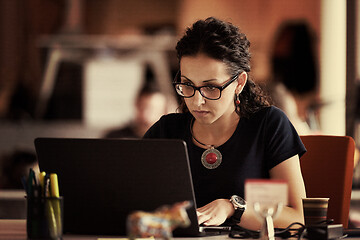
54	192
54	186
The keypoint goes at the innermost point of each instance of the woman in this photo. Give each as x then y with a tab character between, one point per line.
231	131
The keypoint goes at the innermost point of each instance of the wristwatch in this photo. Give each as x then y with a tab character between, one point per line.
239	206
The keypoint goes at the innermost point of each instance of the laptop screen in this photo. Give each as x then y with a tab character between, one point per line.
103	180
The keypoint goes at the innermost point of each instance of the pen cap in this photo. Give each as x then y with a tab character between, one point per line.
42	179
54	186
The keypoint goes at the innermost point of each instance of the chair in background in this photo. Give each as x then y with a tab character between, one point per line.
327	169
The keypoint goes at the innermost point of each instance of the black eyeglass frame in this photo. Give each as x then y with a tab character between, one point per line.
221	88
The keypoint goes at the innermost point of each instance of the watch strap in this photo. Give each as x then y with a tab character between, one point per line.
236	217
239	205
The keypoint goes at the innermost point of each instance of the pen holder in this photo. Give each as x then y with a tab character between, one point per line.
44	218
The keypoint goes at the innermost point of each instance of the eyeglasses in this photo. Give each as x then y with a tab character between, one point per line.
210	92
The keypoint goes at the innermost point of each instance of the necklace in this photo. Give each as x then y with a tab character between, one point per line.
211	157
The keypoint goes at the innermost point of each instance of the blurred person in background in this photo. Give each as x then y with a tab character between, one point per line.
295	76
150	105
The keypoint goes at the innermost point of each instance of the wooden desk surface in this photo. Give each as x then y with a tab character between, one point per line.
13	229
16	230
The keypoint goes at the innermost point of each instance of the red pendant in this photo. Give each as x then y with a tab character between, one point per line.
211	158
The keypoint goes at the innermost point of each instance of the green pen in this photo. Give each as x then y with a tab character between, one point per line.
33	188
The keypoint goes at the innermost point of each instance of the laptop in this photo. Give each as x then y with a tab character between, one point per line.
103	180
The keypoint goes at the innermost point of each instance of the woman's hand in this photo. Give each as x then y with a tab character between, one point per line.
215	213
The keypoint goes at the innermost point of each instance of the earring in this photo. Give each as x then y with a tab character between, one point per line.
237	100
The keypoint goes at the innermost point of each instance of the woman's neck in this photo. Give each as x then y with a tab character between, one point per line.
216	133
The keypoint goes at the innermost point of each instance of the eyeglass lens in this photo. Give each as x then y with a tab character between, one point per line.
206	91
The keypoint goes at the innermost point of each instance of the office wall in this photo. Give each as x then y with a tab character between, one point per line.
129	16
23	59
259	19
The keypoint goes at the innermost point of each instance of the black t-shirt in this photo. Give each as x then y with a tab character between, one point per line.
258	144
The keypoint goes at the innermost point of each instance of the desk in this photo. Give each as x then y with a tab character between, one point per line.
16	230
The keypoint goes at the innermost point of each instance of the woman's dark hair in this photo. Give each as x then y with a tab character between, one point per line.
223	41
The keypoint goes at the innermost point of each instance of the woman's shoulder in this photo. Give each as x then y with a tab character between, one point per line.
172	125
270	112
269	117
